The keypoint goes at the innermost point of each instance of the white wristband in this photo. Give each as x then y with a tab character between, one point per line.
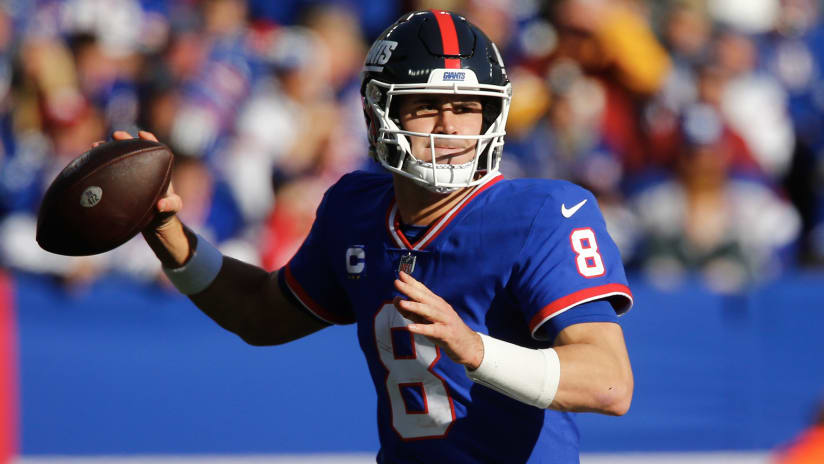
199	272
527	375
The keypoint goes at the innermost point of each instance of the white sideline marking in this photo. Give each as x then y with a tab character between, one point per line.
590	458
720	457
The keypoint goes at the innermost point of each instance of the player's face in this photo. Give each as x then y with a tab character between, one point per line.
442	114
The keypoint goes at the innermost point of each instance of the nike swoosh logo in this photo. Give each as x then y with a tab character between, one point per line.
567	213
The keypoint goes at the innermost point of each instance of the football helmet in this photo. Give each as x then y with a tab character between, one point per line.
434	52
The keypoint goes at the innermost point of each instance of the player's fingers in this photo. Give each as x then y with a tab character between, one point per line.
413	292
412	281
429	330
412	308
170	204
121	135
406	314
420	286
98	143
146	135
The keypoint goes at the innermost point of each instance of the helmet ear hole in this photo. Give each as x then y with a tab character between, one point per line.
490	112
393	155
374	94
395	112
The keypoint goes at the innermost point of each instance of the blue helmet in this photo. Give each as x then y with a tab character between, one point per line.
434	52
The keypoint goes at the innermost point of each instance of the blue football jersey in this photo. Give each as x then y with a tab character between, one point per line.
512	258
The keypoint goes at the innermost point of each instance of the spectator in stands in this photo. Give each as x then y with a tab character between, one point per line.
290	221
686	34
730	231
339	32
214	212
6	51
612	41
665	136
54	123
290	103
793	52
754	103
584	84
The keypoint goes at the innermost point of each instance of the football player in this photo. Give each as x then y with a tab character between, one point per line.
486	308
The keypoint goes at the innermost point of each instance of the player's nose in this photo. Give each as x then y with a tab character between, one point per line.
446	122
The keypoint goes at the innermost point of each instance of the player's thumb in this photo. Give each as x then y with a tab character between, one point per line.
170	204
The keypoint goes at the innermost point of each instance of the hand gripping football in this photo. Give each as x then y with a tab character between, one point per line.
104	197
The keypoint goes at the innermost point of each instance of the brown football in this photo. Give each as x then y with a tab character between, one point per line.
104	197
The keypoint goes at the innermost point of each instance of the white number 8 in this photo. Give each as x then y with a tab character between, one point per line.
588	259
412	370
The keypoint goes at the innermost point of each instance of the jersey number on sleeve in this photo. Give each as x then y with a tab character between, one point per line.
421	406
587	258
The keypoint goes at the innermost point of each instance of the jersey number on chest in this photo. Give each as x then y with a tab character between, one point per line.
421	406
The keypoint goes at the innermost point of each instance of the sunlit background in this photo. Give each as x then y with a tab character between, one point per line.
698	124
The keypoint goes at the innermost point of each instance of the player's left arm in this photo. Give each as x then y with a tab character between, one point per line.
596	375
588	369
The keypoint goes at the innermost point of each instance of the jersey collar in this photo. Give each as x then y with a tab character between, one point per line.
393	219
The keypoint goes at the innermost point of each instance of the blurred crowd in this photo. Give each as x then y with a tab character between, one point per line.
697	123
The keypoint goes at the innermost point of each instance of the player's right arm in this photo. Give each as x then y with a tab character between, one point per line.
248	301
242	298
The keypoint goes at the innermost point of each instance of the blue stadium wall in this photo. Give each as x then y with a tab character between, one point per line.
121	368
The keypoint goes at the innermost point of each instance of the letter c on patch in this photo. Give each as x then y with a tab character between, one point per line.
355	259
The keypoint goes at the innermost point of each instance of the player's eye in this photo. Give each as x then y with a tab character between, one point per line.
467	107
425	108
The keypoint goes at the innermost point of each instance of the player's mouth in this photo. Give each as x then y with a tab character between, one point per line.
448	154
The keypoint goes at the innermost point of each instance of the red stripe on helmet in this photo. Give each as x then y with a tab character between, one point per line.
449	38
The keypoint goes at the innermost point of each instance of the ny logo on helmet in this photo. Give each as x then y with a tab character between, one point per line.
454	76
379	54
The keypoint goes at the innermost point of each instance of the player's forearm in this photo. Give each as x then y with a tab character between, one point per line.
230	304
588	370
593	379
240	297
246	300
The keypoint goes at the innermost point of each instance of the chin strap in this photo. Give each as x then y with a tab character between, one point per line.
434	179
